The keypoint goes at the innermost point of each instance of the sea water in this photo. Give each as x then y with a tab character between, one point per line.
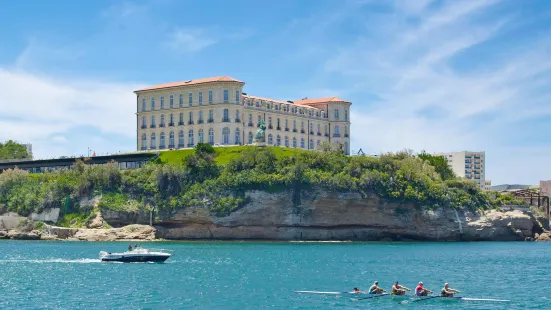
257	275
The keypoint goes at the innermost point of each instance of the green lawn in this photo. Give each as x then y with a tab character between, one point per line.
224	154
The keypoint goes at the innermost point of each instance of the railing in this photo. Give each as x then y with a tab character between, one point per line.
225	120
346	135
237	120
270	127
171	124
258	125
319	133
286	129
302	131
171	146
152	126
278	128
312	133
190	144
326	134
152	147
161	125
190	122
294	130
144	126
250	124
180	123
210	120
200	121
336	135
162	146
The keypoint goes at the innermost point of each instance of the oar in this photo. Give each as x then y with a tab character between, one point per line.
429	297
374	296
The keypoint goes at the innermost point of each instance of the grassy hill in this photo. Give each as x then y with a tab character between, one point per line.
226	154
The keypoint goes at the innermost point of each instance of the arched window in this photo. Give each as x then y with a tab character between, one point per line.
200	135
162	144
171	140
278	140
318	144
237	96
226	115
162	120
287	141
346	152
144	141
311	146
294	142
181	139
153	141
302	143
211	136
250	138
226	135
270	138
190	138
237	136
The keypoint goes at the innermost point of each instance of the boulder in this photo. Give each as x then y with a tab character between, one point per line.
24	235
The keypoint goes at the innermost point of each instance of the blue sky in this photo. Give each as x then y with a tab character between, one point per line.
422	74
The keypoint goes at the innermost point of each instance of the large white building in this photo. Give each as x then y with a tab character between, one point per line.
216	111
470	165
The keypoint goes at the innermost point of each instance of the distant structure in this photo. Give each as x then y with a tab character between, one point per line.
545	188
508	187
470	165
487	185
29	148
216	111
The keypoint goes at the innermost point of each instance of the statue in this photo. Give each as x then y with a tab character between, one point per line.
260	137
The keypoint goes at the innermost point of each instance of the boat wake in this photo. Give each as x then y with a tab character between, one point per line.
52	261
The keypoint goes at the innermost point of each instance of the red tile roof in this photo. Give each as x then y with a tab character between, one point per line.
193	82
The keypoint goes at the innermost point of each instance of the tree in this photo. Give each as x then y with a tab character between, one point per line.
13	150
440	164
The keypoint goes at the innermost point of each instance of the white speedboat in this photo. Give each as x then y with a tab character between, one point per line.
137	255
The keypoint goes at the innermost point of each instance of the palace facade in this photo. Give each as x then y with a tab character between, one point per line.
216	111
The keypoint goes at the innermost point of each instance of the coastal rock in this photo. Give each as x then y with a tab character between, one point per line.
545	236
131	232
4	234
97	222
24	235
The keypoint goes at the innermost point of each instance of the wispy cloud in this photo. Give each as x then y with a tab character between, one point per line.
189	40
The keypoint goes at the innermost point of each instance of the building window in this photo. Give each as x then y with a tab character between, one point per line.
345	114
191	117
152	120
259	118
171	101
190	99
318	144
311	145
237	115
337	131
171	140
250	138
153	142
226	135
152	103
270	139
200	97
144	122
346	152
346	131
294	142
294	125
181	102
210	96
162	144
302	143
311	128
200	135
302	126
278	140
190	138
226	95
144	141
162	120
171	119
211	136
325	130
319	129
143	104
237	96
237	136
226	115
337	114
181	122
270	122
162	102
286	141
250	119
181	139
286	124
211	116
200	116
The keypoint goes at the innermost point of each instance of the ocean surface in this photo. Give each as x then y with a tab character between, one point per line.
258	275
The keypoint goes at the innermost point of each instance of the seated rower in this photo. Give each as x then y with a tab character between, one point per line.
447	291
356	291
398	289
375	289
421	291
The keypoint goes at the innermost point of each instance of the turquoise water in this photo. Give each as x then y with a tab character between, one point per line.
247	275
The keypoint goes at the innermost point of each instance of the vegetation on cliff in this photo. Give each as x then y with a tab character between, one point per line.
200	180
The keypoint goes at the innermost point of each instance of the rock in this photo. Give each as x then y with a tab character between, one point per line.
131	232
97	222
4	234
24	235
545	236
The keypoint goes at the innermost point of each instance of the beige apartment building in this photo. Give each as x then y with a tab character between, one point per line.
217	111
470	165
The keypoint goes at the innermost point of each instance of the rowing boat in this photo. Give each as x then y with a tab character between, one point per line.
404	298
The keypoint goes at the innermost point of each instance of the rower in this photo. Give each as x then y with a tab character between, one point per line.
130	248
398	289
356	291
375	289
447	291
421	291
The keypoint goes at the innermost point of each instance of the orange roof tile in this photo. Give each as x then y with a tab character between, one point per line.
308	102
192	82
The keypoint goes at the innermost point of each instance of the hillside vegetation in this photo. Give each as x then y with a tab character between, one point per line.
217	179
12	150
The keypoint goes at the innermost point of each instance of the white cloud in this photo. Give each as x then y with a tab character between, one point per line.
189	40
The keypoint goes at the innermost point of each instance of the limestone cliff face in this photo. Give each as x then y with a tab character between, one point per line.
337	216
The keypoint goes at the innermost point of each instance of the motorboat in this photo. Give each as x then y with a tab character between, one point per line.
137	255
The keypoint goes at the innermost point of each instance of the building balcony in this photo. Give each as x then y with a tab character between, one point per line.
270	127
336	135
190	145
152	126
250	124
153	147
278	128
180	123
144	148
162	146
200	121
225	120
302	131
294	130
170	124
237	120
181	145
311	133
346	135
319	133
161	125
477	163
190	122
171	146
210	120
326	134
286	129
144	126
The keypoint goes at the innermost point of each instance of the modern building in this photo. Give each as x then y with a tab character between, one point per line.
470	165
29	148
487	185
217	111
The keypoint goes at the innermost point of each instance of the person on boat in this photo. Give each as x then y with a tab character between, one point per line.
129	248
420	290
398	289
447	291
375	289
356	291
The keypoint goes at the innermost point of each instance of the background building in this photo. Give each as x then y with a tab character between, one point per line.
487	185
29	148
470	165
545	188
216	111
